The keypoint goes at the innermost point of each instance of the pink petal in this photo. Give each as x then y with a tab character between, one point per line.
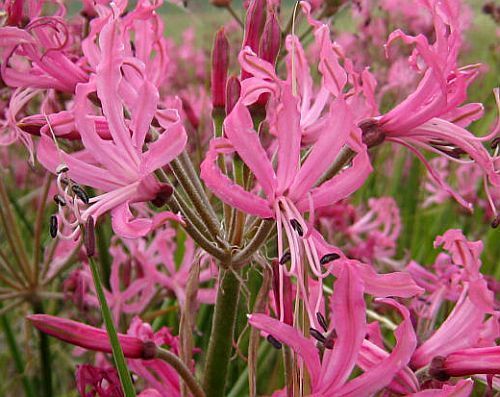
126	225
289	137
348	308
380	376
238	127
324	151
290	336
224	188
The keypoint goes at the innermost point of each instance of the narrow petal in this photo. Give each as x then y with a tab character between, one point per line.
224	188
290	336
348	308
238	127
380	376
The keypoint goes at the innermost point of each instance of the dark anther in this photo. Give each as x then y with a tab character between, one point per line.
329	258
285	258
80	193
53	226
495	222
275	342
495	142
322	321
61	168
163	196
89	237
317	335
436	369
297	227
59	200
148	350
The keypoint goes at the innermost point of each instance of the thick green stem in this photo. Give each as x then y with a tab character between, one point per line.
119	358
45	361
220	346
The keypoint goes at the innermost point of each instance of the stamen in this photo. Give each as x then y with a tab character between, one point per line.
297	227
317	335
495	142
322	321
285	258
329	258
495	222
81	194
53	226
59	200
274	342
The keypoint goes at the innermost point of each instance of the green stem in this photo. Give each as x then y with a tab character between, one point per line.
258	239
16	356
183	371
119	358
45	360
220	345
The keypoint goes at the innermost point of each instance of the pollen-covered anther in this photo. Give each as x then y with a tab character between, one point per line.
495	143
274	342
53	226
297	227
80	193
329	258
495	222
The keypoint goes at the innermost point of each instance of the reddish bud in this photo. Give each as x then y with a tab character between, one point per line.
220	65
271	39
85	336
256	15
233	90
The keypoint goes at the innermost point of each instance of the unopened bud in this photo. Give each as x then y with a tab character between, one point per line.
271	39
220	65
256	15
233	91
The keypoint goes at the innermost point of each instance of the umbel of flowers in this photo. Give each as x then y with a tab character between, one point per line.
202	202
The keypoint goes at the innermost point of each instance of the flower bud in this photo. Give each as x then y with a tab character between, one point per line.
271	39
85	336
256	15
220	64
233	90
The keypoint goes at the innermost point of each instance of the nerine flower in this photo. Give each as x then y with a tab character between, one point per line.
431	118
119	167
329	374
293	187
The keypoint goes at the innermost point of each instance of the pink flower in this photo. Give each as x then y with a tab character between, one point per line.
85	336
330	375
119	167
103	382
430	118
292	189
